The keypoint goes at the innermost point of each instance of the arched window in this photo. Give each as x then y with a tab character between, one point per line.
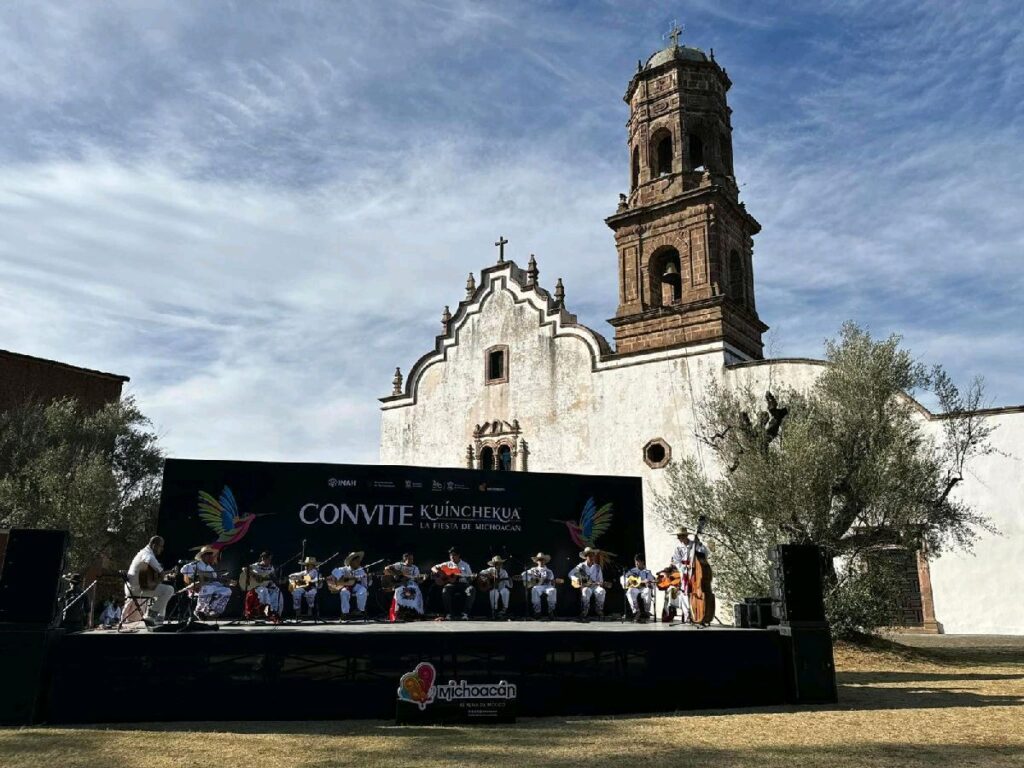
636	168
666	276
737	283
504	459
487	458
665	155
696	153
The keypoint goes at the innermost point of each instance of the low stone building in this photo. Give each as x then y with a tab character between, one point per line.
514	382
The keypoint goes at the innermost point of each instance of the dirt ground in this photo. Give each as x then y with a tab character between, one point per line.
921	700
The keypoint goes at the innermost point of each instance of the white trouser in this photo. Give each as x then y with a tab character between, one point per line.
155	598
598	594
680	600
213	599
346	597
495	594
644	593
271	597
547	590
414	601
299	592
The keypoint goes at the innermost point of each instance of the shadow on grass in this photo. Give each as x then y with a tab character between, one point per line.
556	746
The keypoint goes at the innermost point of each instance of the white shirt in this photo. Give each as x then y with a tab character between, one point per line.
405	571
198	566
261	570
592	571
299	576
500	576
145	555
346	571
682	555
540	574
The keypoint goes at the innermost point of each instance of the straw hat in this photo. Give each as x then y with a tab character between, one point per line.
206	550
310	561
682	531
354	557
589	551
540	557
496	560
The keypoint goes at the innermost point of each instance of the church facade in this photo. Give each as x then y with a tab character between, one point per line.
515	383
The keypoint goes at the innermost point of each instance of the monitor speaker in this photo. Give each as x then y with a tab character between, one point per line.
30	579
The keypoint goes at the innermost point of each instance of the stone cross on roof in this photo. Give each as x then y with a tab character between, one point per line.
674	33
502	242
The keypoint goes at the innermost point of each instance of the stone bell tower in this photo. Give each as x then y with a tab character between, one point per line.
685	241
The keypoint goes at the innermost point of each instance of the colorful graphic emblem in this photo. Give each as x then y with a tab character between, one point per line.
593	524
418	686
223	518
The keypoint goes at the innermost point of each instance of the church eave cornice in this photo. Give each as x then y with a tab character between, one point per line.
647	74
618	220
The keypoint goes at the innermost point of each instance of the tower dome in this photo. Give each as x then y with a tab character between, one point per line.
675	53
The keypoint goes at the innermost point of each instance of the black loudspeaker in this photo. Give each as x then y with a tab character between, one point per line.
22	694
761	613
810	668
30	579
740	616
796	584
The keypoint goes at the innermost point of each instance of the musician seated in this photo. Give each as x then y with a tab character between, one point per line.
459	588
540	582
352	569
408	600
110	614
670	581
639	585
212	596
304	585
500	586
156	596
590	578
266	598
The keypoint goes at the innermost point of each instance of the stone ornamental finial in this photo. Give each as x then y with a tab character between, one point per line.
532	273
470	286
559	294
446	318
502	242
396	383
469	457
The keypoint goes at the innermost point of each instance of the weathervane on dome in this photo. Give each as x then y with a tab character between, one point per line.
674	33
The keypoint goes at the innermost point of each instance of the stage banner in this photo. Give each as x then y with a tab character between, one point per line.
422	699
242	508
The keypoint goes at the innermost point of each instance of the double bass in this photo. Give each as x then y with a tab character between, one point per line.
702	599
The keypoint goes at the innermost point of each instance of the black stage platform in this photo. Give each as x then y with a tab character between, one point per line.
300	672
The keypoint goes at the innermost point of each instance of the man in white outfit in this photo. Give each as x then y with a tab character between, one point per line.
500	586
212	596
269	594
682	558
590	578
638	582
353	569
408	597
156	598
540	581
309	581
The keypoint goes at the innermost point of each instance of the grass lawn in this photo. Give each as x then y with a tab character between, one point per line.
945	701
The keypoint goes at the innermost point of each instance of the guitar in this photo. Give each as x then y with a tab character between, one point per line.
199	578
150	578
447	574
394	578
669	578
539	581
304	581
636	582
488	581
581	581
248	580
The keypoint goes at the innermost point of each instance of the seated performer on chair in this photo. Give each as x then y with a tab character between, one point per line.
408	601
500	585
457	586
304	584
212	596
157	595
682	558
639	585
267	595
354	580
589	579
540	582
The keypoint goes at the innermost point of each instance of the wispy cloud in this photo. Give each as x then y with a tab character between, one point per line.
258	212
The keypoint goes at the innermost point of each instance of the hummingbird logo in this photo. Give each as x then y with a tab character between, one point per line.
223	518
593	524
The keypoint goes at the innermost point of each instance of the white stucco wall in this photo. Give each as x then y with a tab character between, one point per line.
583	415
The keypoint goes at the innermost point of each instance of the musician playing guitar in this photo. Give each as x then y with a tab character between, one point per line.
639	585
455	574
202	577
351	579
540	582
304	584
496	582
145	580
262	593
588	578
405	577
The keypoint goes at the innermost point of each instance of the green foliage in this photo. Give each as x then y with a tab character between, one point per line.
846	464
95	473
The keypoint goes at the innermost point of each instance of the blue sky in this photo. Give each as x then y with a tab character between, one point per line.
258	210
